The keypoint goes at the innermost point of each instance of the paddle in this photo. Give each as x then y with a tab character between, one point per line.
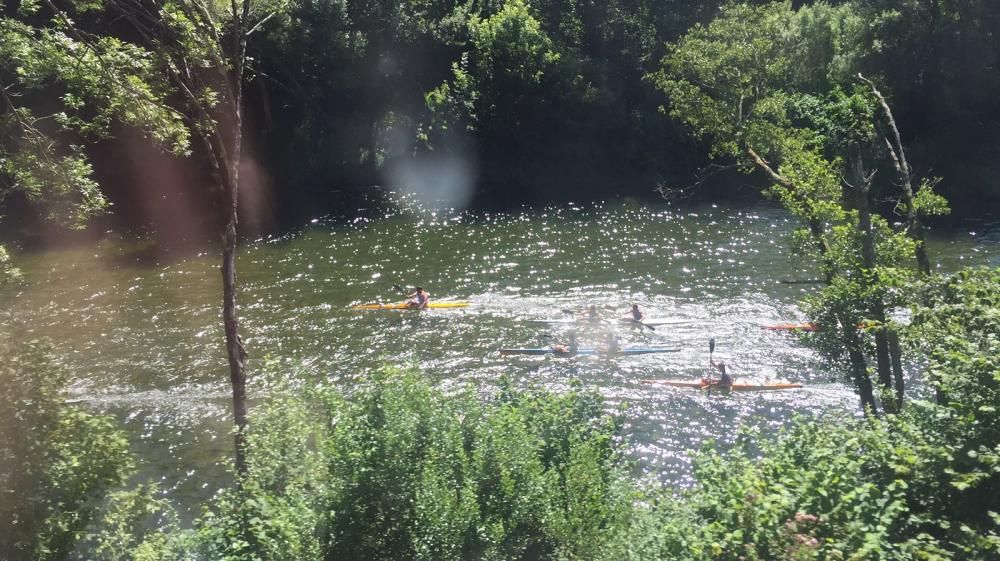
639	322
711	364
711	349
626	320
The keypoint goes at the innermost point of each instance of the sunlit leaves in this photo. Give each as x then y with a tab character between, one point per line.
9	274
511	45
103	80
715	75
927	202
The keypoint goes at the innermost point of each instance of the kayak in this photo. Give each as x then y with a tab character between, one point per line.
588	352
403	306
655	321
572	321
791	327
705	384
569	321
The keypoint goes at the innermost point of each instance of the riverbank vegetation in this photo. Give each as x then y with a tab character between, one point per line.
395	468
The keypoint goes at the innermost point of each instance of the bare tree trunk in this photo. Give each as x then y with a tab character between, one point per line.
220	127
861	184
897	368
914	226
234	345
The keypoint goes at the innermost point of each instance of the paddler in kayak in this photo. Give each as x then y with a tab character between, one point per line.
592	315
613	345
568	348
418	299
635	314
725	381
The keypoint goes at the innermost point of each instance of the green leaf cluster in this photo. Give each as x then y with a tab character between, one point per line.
61	89
58	460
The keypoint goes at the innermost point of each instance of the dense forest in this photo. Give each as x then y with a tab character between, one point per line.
482	104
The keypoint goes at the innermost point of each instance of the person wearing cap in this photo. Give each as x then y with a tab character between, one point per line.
418	299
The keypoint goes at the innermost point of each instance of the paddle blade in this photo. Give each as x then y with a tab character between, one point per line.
399	288
711	345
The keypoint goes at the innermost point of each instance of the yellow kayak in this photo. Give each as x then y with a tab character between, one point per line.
403	306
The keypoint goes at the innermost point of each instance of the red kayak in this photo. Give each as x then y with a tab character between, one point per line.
705	384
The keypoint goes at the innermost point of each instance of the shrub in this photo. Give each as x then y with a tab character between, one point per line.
399	470
57	461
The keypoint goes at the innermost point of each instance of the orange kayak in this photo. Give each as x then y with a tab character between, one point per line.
704	384
791	327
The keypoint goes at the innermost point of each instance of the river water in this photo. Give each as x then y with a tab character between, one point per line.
144	339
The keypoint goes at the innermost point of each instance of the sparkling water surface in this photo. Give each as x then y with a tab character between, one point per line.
144	340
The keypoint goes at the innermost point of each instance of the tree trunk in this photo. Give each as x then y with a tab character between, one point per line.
896	353
914	226
852	341
859	367
234	345
861	185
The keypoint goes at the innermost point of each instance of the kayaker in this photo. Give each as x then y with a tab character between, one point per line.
418	299
636	314
613	345
568	348
592	315
725	380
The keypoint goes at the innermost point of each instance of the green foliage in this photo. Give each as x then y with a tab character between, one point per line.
122	532
510	56
399	470
726	80
957	325
452	106
827	490
9	274
59	460
927	202
923	484
60	90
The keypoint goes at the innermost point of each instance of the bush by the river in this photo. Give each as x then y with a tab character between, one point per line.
401	470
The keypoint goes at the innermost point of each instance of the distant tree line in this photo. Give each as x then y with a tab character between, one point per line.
528	101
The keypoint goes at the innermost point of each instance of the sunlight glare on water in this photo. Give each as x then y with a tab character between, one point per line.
145	341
